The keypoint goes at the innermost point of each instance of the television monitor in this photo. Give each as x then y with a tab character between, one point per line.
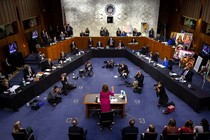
206	49
34	34
13	48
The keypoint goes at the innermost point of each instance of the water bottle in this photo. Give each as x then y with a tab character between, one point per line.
24	82
96	99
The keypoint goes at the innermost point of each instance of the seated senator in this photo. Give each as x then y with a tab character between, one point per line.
138	82
123	70
134	41
74	49
120	45
131	128
28	73
54	96
111	43
76	129
5	86
187	74
155	57
62	57
99	45
18	129
48	64
65	84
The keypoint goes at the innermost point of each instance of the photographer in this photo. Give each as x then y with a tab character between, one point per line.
66	85
123	70
161	93
138	82
88	69
109	64
54	96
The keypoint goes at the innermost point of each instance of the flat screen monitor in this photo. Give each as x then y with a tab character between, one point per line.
206	49
13	48
34	34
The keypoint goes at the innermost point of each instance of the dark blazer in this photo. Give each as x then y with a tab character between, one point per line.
48	65
188	76
27	74
76	129
130	129
109	42
97	45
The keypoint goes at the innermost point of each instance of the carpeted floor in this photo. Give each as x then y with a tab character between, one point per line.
51	123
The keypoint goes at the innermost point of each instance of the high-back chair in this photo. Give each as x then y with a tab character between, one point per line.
149	136
106	120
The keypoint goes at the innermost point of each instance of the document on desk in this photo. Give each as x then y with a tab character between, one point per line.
112	100
160	65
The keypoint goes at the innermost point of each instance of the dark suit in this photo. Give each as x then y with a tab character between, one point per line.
90	44
28	74
111	43
77	129
48	65
122	45
188	76
130	129
97	45
74	49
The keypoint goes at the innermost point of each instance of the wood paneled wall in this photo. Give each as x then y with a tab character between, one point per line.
206	11
7	12
191	8
28	8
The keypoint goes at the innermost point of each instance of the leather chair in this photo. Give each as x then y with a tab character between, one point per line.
76	136
170	137
203	136
22	136
187	136
129	136
106	120
149	136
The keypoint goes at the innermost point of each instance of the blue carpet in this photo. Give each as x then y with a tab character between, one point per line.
49	123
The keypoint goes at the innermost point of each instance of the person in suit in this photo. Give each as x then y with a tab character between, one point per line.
62	36
120	45
134	41
131	128
111	42
88	69
99	44
106	32
62	57
187	74
151	33
135	32
49	64
123	70
28	73
118	32
124	33
18	129
74	49
87	32
155	57
138	82
161	93
90	43
102	31
8	67
66	85
104	98
69	30
76	129
54	97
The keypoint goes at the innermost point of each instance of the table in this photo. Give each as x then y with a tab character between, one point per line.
90	103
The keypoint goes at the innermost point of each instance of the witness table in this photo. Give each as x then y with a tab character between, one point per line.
90	103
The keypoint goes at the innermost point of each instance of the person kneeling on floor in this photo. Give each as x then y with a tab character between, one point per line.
54	96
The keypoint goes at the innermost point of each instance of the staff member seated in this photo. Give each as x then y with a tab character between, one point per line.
133	41
120	45
76	129
62	57
123	70
66	85
54	96
138	82
5	86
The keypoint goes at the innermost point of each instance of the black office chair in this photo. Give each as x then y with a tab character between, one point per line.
187	136
170	137
106	120
203	136
149	136
22	136
129	136
76	136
